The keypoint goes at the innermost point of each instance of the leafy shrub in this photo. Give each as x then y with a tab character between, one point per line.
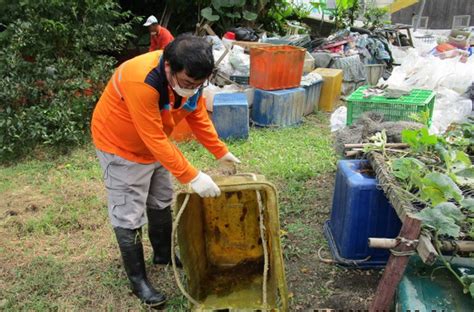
282	11
53	66
229	12
376	17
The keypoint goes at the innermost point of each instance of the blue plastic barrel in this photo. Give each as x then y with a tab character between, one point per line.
360	210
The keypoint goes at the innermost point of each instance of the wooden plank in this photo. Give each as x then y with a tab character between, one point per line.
395	267
209	30
426	250
250	44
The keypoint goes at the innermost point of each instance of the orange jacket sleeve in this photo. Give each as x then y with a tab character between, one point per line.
204	130
141	101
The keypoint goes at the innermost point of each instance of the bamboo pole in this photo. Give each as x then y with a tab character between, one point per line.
361	145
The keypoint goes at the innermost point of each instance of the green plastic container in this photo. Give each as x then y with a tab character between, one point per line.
393	109
422	290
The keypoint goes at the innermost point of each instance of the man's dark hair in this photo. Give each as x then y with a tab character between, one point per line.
191	53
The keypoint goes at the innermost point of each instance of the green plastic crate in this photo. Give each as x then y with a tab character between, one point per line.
393	109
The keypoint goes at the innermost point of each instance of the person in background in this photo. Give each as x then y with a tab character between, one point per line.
160	37
143	101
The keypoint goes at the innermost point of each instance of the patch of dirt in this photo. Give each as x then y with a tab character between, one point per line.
24	200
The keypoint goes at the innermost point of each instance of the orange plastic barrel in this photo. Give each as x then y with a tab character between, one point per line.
276	67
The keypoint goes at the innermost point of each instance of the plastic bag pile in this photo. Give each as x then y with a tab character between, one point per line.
449	78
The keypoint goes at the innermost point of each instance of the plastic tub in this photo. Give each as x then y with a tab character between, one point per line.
222	249
331	90
279	108
360	210
276	67
422	290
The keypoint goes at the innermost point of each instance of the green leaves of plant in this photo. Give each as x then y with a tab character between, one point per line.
249	16
443	218
466	177
233	9
232	14
345	4
468	203
468	281
438	187
419	140
207	14
409	169
228	3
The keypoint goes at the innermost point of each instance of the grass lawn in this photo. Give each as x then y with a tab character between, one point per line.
58	252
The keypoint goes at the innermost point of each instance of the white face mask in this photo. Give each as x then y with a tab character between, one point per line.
183	92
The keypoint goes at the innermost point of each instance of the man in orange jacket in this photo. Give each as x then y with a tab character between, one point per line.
160	37
145	98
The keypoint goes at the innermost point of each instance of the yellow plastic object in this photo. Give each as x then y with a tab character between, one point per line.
331	90
222	250
398	5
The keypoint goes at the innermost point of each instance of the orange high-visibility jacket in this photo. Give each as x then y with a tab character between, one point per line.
161	39
137	112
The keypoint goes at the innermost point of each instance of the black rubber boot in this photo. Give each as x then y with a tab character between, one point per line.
160	225
132	254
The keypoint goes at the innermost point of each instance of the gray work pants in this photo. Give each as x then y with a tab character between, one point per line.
132	187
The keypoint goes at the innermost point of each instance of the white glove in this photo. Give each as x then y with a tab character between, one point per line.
229	157
204	186
227	164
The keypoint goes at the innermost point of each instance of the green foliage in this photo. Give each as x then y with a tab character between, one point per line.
438	187
419	140
468	280
376	17
409	170
283	11
422	117
53	66
433	173
430	173
346	13
229	13
468	203
461	136
444	218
